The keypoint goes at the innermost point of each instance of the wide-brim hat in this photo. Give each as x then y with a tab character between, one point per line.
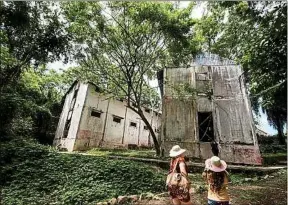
215	164
176	151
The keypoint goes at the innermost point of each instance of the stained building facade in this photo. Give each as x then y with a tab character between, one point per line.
90	119
219	112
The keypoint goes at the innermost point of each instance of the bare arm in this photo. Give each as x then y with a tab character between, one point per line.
183	168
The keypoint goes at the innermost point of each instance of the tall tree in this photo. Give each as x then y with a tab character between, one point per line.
123	44
31	33
210	25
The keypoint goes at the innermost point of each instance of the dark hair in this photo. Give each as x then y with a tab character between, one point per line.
216	180
214	148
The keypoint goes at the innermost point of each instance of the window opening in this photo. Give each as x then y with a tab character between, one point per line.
117	119
133	124
66	129
95	113
147	110
72	104
75	93
205	126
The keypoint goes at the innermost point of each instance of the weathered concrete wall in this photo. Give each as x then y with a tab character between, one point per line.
156	123
72	109
114	131
63	119
132	133
77	113
233	123
230	107
180	119
204	104
226	81
145	137
103	131
232	111
179	115
238	154
91	128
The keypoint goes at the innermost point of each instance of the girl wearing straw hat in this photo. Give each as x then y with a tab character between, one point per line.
179	193
216	176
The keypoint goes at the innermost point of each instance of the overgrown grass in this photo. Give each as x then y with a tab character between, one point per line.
284	154
34	174
274	158
272	148
145	153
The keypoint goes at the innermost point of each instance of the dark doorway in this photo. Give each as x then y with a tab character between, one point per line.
205	124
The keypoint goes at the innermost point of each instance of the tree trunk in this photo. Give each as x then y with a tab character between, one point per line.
155	141
280	132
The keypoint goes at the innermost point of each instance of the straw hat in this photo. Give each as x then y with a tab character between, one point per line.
215	164
176	151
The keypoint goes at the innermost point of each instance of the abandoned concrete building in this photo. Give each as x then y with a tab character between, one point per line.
220	112
89	119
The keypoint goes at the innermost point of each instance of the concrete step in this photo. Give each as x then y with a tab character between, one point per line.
199	167
196	166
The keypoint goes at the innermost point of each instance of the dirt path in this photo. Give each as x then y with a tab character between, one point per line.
269	191
265	192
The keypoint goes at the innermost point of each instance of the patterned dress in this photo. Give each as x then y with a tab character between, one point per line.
174	191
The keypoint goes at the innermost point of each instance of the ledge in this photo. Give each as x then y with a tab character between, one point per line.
195	166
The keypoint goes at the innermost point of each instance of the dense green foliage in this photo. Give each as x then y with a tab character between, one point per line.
31	35
31	106
141	153
33	174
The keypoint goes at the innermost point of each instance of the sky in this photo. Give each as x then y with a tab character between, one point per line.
196	13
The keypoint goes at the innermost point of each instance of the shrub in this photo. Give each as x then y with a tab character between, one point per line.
273	148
